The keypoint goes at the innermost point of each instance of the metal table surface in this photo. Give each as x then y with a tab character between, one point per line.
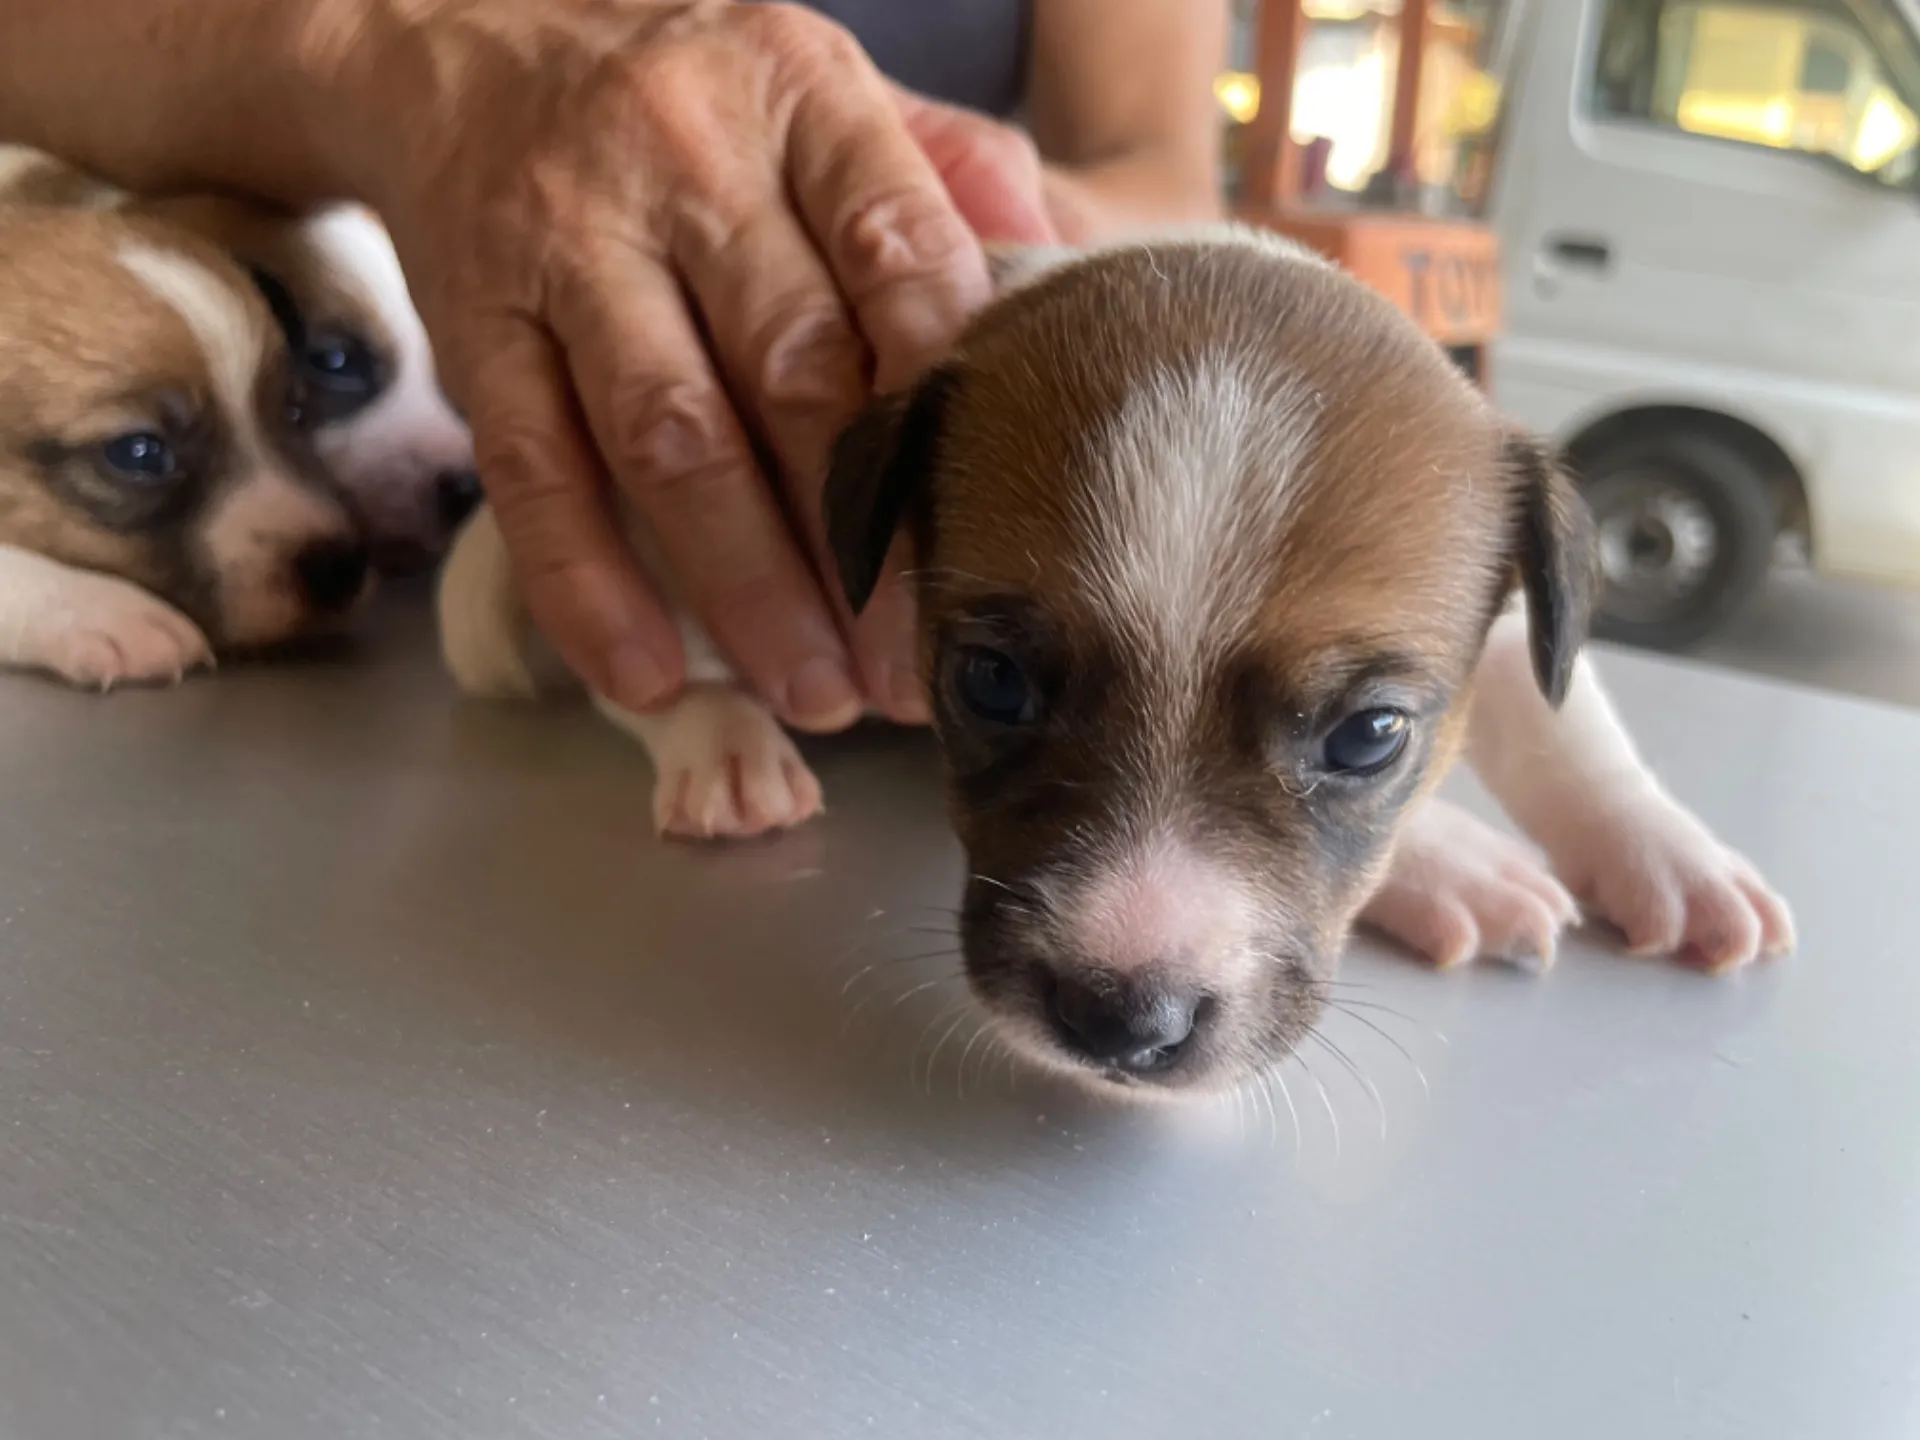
367	1069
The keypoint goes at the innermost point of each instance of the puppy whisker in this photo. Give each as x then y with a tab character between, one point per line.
898	1000
1346	1062
1276	1077
1349	1005
960	1079
933	1058
1405	1053
1326	1100
1273	1116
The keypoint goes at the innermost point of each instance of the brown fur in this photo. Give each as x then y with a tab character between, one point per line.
1400	525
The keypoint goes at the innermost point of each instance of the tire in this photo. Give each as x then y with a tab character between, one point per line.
1687	525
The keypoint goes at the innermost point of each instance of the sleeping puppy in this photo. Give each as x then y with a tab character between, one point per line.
1217	558
374	405
159	499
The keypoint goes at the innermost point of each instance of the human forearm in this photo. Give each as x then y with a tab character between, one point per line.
1092	203
235	94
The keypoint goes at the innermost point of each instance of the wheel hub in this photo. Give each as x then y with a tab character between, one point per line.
1657	544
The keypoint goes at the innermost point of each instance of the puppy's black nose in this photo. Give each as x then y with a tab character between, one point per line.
457	494
1136	1029
332	573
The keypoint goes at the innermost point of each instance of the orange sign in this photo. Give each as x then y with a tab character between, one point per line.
1444	274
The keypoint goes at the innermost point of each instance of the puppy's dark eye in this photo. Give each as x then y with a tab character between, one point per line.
141	456
1366	742
340	363
992	686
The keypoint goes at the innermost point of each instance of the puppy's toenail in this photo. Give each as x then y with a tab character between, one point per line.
1529	961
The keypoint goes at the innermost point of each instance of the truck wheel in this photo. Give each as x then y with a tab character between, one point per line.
1686	527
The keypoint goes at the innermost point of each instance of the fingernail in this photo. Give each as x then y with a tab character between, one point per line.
907	697
822	696
640	682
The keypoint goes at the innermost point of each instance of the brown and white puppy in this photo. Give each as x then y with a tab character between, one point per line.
1215	564
159	499
379	419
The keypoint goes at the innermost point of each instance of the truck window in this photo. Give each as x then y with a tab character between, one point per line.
1833	78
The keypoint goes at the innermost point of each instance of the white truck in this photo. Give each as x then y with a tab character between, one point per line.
1709	217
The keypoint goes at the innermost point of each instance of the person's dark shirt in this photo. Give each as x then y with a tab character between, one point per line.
965	52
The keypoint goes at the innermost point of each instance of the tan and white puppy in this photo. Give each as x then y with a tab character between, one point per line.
159	499
378	416
1216	558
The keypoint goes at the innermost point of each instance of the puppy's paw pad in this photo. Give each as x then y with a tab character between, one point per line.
732	780
1458	890
112	633
1661	878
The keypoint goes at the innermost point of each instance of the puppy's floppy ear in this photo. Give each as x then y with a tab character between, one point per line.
881	467
1557	558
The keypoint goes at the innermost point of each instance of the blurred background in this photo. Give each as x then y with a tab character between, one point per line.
1679	237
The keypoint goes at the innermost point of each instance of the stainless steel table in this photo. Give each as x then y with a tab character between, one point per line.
368	1070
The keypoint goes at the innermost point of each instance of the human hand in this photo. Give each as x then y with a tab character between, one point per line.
647	238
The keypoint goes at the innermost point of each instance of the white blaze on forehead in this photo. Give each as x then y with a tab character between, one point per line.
1158	906
231	334
1190	484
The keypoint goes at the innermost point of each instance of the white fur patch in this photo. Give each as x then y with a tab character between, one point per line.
1198	468
90	629
389	454
232	337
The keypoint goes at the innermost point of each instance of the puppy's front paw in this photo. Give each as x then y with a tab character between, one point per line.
1651	869
103	632
1458	889
726	770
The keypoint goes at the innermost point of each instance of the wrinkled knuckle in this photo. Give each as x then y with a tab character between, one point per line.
808	360
898	236
706	213
666	430
671	105
506	450
802	41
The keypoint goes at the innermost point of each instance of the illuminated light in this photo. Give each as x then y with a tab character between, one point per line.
1886	128
1344	9
1737	117
1239	95
1778	119
1475	105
